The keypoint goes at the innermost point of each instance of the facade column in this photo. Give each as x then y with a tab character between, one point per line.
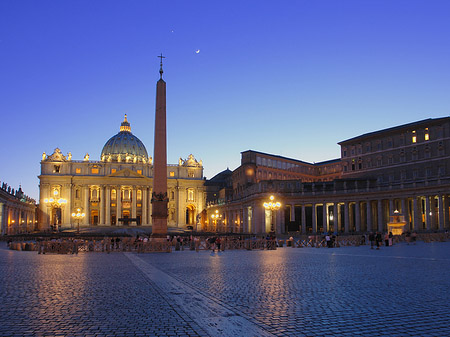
68	207
336	217
133	203
144	206
314	219
303	219
427	212
391	207
87	218
357	217
119	204
380	215
108	206
102	205
346	217
325	218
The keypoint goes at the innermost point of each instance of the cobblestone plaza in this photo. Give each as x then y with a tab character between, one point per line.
397	291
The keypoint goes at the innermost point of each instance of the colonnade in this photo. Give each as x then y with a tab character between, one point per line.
429	212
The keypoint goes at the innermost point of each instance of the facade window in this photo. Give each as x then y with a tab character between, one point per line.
414	137
139	195
56	168
172	195
344	153
379	146
441	170
190	174
139	171
428	172
77	194
113	170
78	170
427	134
190	195
171	174
94	170
113	194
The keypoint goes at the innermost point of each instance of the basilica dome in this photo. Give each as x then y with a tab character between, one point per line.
124	147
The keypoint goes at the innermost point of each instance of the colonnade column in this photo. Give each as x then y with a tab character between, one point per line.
292	217
303	219
357	217
416	214
346	218
405	213
314	219
325	218
108	206
336	217
446	211
380	215
102	204
369	215
441	212
428	211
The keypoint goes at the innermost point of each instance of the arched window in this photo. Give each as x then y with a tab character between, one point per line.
190	195
113	194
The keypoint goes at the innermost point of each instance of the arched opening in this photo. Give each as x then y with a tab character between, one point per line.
190	215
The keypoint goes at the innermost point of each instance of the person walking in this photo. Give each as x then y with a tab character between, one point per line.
371	239
378	240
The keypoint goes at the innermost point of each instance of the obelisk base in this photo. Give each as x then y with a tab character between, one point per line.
159	217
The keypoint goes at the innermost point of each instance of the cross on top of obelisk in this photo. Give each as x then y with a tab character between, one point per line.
161	69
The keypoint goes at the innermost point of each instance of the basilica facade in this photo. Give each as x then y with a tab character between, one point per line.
116	190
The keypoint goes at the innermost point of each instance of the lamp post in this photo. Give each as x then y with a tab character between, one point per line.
215	216
272	205
78	216
55	203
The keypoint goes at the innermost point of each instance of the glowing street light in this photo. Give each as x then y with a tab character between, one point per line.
78	216
215	216
272	205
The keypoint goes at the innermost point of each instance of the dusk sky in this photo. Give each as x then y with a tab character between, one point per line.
291	78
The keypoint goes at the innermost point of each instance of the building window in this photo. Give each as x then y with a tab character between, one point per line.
414	137
113	194
190	195
191	174
113	170
56	168
172	195
78	170
94	170
171	174
139	195
427	134
139	171
77	194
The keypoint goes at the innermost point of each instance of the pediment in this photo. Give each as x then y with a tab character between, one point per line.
126	173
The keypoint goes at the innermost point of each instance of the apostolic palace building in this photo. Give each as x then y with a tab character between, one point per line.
116	190
403	170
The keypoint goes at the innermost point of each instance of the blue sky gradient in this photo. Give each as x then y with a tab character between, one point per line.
290	78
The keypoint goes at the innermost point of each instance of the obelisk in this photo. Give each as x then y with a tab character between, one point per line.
159	195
